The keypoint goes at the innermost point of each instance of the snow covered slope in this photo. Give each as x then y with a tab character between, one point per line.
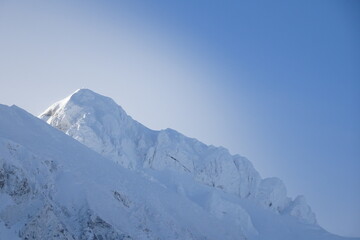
102	125
53	187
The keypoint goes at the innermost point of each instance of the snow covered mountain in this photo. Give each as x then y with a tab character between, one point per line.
102	125
52	187
137	184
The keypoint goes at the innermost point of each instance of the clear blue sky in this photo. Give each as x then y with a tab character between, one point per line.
276	81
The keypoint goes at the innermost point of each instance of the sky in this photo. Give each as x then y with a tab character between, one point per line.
275	81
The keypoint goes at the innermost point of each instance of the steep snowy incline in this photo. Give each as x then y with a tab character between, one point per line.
102	125
53	187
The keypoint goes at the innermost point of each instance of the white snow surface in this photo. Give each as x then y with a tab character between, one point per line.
145	185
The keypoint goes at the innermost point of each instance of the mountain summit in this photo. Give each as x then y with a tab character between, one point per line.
102	125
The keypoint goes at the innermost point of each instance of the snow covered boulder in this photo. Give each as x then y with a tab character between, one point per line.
301	210
272	194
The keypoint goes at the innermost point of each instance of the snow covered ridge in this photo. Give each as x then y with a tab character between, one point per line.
53	187
102	125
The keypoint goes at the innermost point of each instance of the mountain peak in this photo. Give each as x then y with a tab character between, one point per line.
99	123
82	101
83	91
86	93
90	118
88	97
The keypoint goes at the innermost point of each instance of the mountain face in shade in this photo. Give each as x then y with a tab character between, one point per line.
128	182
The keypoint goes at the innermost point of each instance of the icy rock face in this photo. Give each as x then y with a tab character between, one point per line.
300	209
45	225
24	199
14	183
99	123
97	228
272	193
210	165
